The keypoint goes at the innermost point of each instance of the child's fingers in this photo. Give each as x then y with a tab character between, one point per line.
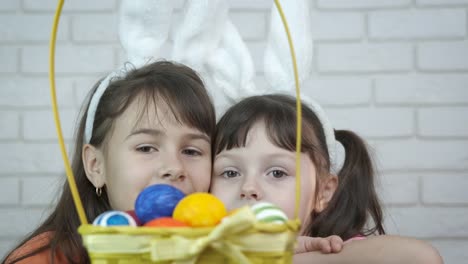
336	243
308	244
324	245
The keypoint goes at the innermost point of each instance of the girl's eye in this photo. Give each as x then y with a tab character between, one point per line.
278	174
230	174
146	149
191	152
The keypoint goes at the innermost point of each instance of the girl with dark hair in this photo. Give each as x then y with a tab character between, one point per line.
152	125
254	160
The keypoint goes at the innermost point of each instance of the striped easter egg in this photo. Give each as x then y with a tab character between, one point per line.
114	218
269	213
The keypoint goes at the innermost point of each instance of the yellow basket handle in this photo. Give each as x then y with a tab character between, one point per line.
68	170
298	110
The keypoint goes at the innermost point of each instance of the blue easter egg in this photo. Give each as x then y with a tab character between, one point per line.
114	218
157	201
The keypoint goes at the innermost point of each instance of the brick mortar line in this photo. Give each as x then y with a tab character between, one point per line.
439	6
422	171
361	9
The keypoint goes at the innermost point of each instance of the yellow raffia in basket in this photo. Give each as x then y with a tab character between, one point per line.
237	239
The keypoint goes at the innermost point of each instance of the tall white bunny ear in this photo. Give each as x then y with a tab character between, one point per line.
143	30
231	66
199	31
277	61
144	27
207	41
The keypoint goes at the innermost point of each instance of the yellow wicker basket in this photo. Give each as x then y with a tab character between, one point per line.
237	239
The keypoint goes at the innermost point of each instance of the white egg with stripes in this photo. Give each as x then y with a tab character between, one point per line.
269	213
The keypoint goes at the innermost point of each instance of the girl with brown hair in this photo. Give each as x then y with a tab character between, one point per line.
152	125
254	161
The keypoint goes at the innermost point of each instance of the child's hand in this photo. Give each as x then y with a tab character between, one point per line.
331	244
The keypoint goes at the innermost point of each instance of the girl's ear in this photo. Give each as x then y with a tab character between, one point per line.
93	163
327	189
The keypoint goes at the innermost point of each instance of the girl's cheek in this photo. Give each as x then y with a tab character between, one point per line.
225	192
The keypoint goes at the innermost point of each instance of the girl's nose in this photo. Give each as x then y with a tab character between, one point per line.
171	169
173	174
251	191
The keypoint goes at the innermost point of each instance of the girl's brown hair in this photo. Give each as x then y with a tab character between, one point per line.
355	200
178	86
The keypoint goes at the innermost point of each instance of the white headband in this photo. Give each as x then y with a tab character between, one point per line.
95	98
329	132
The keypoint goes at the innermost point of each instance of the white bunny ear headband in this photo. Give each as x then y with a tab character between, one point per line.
144	27
207	41
230	65
278	63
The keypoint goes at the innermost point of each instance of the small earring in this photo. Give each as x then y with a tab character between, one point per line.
98	192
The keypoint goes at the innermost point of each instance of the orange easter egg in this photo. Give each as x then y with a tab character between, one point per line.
165	222
200	210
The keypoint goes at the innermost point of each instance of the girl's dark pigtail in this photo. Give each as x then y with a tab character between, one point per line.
355	198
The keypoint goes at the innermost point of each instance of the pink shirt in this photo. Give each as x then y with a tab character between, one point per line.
358	237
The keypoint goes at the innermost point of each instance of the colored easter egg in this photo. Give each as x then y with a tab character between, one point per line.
133	215
157	201
269	213
165	222
114	218
200	210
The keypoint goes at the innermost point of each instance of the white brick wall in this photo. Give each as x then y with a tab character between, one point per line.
69	59
9	57
29	28
443	122
412	154
441	2
40	190
428	222
443	56
445	23
395	71
455	250
338	26
95	28
72	6
399	188
37	124
9	5
329	91
362	4
437	89
25	157
360	57
10	131
447	189
368	122
32	92
10	189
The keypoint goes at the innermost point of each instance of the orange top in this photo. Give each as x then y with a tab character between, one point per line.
41	257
